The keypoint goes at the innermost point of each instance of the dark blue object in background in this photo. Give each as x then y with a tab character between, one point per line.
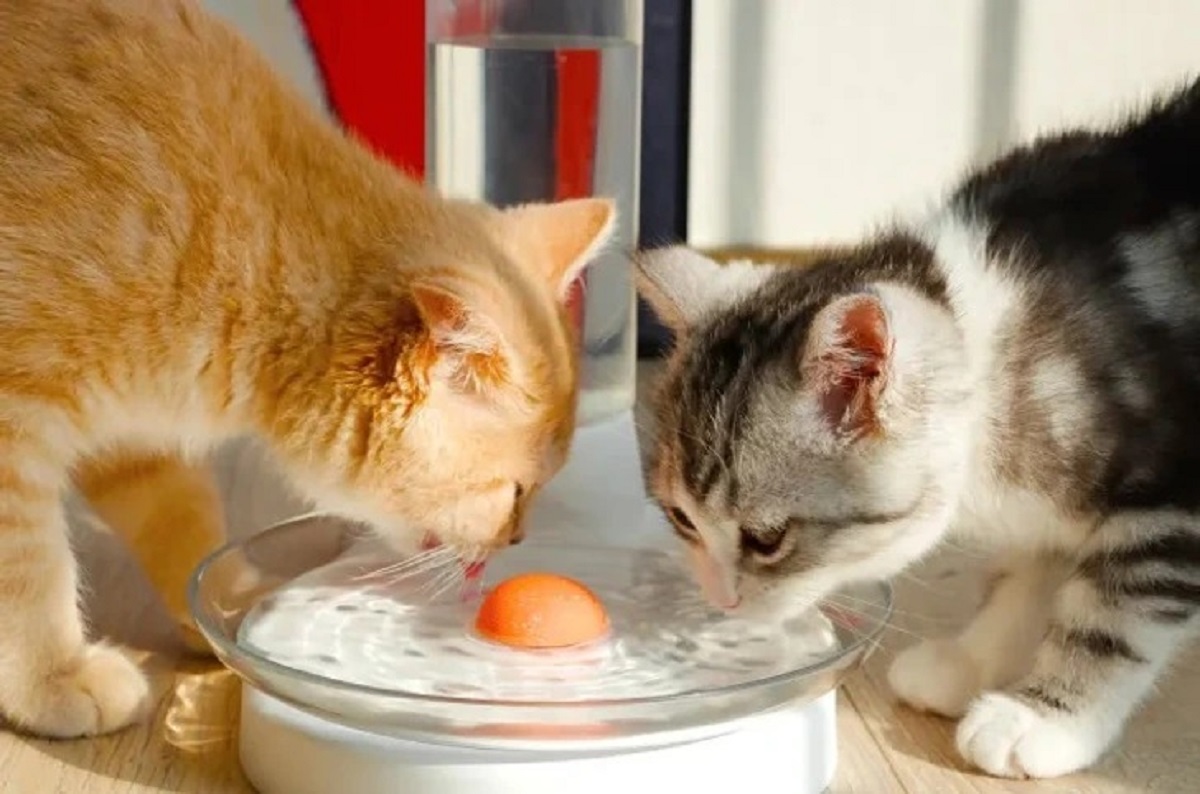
666	69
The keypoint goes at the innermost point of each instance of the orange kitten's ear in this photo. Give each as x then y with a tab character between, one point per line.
563	237
469	350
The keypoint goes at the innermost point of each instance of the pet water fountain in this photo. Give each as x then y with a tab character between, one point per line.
363	682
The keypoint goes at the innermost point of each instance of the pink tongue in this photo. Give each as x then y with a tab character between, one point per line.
471	570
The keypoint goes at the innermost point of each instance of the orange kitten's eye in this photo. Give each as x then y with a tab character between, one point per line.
518	491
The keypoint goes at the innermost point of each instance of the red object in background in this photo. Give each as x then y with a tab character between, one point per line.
372	56
575	141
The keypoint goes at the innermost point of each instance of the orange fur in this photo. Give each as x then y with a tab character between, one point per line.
189	253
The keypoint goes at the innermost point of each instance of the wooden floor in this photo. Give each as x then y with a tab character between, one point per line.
190	745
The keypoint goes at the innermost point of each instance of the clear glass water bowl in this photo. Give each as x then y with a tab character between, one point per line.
239	579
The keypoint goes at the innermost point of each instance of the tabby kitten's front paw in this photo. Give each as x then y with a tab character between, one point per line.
1007	738
937	676
102	691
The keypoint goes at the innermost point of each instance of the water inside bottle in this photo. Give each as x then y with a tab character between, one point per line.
535	118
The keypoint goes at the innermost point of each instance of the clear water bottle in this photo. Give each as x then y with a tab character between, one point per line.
539	100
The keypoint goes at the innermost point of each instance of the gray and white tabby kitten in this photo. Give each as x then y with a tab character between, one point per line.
1021	366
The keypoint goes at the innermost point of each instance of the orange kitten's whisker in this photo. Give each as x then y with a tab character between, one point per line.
427	571
450	582
435	579
417	563
438	585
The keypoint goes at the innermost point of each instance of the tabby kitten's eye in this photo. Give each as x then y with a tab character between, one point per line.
765	545
683	525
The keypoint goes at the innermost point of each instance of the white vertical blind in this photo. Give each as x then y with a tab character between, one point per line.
813	121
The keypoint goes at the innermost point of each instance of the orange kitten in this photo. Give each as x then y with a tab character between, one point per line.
188	252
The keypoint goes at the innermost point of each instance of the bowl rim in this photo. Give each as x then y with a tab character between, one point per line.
228	648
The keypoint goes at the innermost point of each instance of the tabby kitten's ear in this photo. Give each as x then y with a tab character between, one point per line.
467	348
563	237
682	285
847	360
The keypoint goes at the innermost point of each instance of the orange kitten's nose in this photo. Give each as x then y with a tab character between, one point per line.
504	539
512	533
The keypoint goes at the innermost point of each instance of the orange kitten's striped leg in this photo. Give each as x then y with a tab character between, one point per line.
52	682
168	510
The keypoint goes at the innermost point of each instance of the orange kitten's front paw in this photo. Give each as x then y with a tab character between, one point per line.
103	692
193	640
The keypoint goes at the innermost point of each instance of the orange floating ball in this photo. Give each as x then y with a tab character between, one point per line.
541	610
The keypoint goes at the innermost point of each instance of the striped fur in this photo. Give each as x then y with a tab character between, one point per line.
189	253
1021	367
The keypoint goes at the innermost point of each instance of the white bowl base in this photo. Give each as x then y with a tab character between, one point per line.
287	751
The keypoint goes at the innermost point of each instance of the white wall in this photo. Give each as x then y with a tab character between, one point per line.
275	28
813	120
